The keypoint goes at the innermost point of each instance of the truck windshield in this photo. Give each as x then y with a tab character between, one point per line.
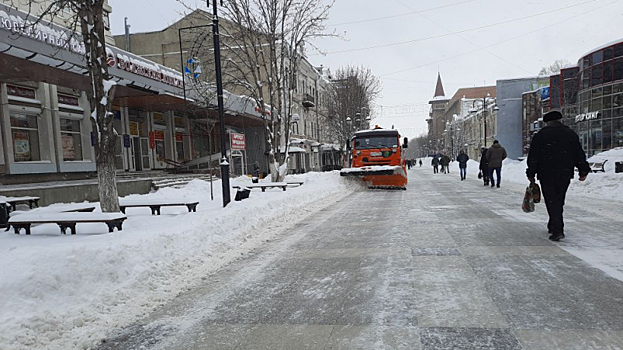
376	142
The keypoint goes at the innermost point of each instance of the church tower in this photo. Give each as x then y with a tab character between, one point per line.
437	120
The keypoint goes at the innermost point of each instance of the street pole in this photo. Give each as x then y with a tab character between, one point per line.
484	113
221	108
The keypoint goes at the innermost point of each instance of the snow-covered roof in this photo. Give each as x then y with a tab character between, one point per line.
293	149
614	42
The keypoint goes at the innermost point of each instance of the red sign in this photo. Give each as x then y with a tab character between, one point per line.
179	137
159	135
152	140
20	91
238	142
68	100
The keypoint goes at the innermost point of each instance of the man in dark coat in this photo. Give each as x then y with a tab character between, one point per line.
462	159
495	155
554	153
420	163
484	166
435	164
445	164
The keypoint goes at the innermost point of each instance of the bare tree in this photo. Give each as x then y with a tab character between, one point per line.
262	48
554	68
354	89
87	26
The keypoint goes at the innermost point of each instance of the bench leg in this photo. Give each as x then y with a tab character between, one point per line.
17	228
122	209
71	226
155	209
13	206
192	207
284	188
112	225
263	189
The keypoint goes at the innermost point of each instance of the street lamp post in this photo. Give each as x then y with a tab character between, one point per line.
485	108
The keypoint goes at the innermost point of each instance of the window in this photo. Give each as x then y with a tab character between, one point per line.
608	71
179	147
618	50
25	133
598	57
597	74
608	53
71	139
617	132
618	69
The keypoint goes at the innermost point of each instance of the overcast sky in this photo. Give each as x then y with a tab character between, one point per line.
470	42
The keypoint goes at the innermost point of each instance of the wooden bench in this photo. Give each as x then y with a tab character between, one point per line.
264	186
60	208
14	201
155	205
66	220
598	166
299	183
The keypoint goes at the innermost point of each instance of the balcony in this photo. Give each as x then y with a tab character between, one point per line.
308	101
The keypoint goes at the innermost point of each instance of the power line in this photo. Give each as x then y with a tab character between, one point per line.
500	42
401	15
456	32
467	40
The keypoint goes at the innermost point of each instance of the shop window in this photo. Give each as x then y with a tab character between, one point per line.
596	105
617	100
71	139
596	135
25	133
159	119
617	132
607	133
607	102
179	122
597	92
618	69
179	147
618	50
617	88
607	90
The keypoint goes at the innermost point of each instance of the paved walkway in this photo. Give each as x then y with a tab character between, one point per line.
444	265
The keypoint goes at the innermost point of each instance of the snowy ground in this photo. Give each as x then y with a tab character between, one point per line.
66	292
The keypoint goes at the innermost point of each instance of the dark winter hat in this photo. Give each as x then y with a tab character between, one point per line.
551	116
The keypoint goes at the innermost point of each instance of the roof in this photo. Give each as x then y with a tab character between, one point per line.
473	93
439	88
377	132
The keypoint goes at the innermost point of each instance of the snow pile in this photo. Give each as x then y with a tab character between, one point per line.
608	185
68	292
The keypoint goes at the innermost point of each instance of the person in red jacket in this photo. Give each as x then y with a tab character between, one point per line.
554	153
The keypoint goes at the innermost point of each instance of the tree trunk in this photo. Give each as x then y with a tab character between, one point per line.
106	172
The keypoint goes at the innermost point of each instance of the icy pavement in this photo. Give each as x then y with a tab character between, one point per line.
444	265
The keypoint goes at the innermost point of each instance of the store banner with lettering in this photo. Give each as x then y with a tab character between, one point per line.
238	142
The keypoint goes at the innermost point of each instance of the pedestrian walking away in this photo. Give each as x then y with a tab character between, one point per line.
484	166
420	163
445	164
554	153
462	159
435	164
495	155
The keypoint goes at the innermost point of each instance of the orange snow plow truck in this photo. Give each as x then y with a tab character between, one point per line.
378	158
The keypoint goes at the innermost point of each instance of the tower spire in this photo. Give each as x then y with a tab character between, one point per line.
439	88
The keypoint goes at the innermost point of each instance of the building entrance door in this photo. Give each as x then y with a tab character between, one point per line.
136	153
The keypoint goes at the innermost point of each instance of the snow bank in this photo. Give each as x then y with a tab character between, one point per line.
599	185
68	292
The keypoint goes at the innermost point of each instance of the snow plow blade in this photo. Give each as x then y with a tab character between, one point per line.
379	176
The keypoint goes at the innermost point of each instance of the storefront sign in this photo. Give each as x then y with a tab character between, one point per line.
143	68
152	140
179	137
159	135
544	93
20	91
587	116
238	142
68	100
43	32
